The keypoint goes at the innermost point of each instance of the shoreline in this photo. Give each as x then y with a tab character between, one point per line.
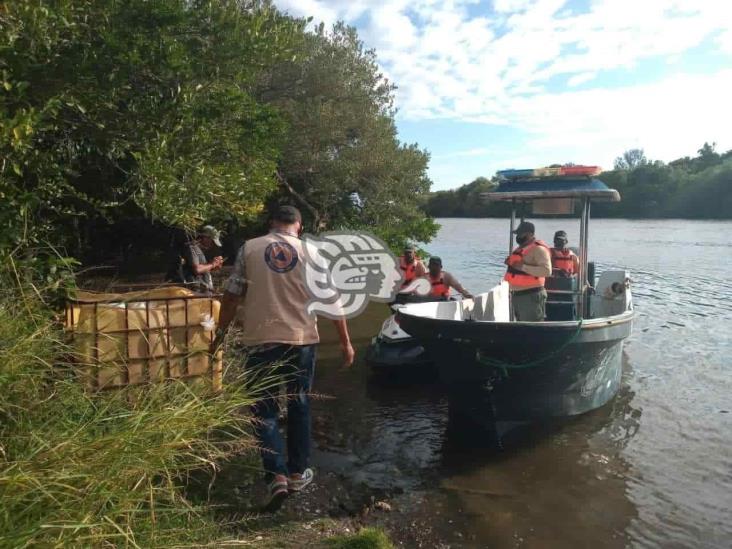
332	506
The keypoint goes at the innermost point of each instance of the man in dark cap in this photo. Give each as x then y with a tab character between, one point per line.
410	265
527	267
565	262
442	281
269	281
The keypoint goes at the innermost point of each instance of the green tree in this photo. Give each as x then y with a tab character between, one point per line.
342	162
631	159
111	110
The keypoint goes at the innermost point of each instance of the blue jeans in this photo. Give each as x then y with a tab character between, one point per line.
297	365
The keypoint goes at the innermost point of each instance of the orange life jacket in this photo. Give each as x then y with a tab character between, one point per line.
563	260
410	270
519	278
439	288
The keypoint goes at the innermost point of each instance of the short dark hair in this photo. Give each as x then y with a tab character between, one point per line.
435	260
286	214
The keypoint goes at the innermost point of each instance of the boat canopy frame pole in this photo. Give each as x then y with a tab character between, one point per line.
513	222
510	250
584	239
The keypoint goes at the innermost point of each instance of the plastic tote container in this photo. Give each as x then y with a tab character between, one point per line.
142	337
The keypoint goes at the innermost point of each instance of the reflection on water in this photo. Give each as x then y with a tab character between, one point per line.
553	485
654	468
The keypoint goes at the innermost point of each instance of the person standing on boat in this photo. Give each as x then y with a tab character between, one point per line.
528	266
441	281
565	262
269	281
411	265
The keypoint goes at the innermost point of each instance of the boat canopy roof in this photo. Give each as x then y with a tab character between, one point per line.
532	188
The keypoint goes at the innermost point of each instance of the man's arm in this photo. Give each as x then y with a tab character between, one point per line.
453	282
419	268
229	303
575	262
199	268
538	262
348	353
235	289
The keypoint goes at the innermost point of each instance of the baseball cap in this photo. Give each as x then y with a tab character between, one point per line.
410	248
525	227
211	232
561	234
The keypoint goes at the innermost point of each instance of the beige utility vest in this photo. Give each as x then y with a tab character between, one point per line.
274	307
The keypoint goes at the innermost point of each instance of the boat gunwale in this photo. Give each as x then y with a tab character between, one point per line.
590	323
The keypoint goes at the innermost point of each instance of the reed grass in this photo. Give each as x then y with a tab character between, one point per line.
104	469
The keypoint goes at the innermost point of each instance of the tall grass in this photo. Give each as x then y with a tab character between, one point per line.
103	469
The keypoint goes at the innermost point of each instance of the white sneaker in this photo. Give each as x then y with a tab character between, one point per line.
297	482
277	492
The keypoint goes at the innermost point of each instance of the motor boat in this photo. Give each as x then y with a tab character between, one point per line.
496	368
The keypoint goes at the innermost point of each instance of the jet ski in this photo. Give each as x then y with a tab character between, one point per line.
394	350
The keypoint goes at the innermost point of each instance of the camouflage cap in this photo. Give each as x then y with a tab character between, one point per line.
211	232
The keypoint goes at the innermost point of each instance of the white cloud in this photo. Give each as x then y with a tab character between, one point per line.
669	118
581	78
724	40
518	62
319	11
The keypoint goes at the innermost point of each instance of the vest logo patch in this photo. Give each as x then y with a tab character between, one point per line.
280	256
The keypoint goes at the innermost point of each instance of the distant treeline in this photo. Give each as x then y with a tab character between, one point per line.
695	188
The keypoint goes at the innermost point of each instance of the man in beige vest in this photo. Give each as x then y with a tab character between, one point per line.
269	281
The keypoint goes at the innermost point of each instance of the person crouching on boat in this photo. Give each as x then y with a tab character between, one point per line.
441	281
565	262
411	265
528	265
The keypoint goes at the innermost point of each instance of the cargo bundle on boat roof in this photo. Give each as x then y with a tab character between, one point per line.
550	171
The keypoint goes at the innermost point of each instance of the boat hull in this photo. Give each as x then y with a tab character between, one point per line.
513	371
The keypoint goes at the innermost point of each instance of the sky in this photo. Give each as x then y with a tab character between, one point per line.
485	85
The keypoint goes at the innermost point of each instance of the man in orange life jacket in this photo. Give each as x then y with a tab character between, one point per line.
442	281
565	262
411	265
528	265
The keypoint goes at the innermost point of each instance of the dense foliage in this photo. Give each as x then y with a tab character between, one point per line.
175	112
697	187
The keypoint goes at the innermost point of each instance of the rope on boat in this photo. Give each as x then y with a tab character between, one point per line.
505	366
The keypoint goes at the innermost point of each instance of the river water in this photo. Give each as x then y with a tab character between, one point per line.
651	469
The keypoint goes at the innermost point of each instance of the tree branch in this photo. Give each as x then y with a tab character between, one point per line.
317	220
